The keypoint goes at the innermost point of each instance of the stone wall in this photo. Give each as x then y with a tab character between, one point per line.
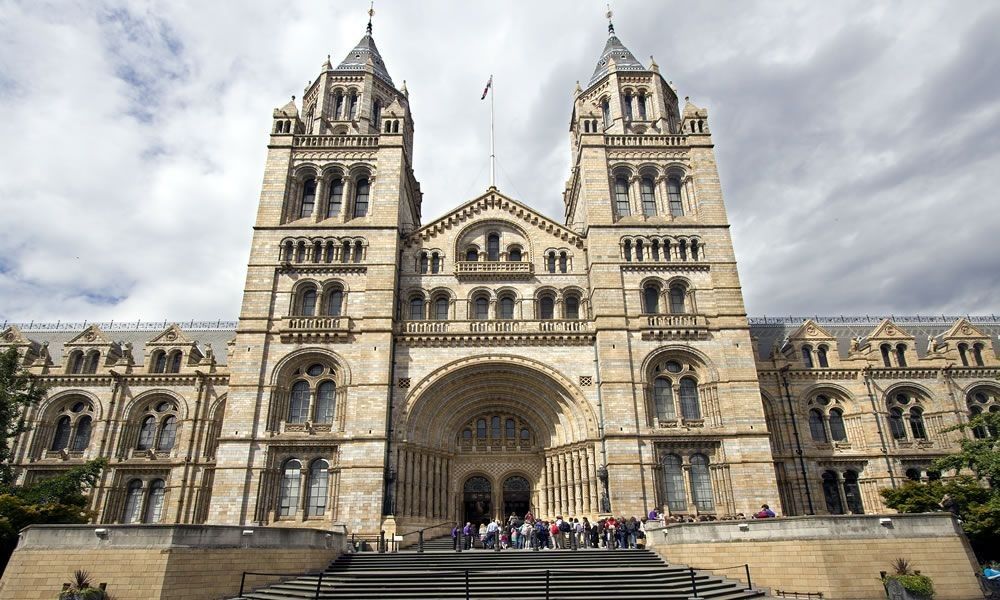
840	556
153	562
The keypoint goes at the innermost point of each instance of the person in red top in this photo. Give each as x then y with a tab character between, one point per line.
765	512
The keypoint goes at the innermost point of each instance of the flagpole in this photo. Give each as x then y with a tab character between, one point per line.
493	153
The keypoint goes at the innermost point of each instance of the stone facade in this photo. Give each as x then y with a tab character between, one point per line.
495	360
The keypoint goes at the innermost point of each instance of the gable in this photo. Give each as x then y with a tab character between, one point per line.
171	336
810	330
91	336
887	330
963	329
493	205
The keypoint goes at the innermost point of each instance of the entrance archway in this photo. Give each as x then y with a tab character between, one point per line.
477	500
516	496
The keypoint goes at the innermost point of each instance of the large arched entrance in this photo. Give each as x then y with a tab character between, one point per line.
477	500
485	437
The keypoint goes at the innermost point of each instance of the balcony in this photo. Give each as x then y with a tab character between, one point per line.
336	141
488	331
645	140
314	329
470	269
674	327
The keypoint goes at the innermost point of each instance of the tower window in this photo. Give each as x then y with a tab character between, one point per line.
416	308
563	262
472	255
628	106
308	198
621	197
361	198
435	263
677	293
572	307
674	197
546	307
424	262
648	197
336	198
334	302
977	354
901	355
353	106
376	113
441	309
642	107
886	350
606	112
506	307
651	299
807	357
821	355
551	262
482	306
493	247
514	255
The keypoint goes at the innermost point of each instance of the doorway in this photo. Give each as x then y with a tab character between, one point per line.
516	496
477	500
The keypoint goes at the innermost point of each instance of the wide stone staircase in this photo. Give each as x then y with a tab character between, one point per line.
510	574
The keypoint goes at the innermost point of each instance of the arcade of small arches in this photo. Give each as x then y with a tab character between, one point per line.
675	295
310	298
324	250
504	304
662	249
80	362
333	193
651	191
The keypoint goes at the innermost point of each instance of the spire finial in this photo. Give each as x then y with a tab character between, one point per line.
611	26
371	13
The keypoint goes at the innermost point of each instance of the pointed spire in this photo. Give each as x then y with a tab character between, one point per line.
611	25
403	90
616	52
371	13
327	65
652	64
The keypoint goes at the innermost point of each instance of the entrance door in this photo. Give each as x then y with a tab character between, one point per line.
516	496
477	500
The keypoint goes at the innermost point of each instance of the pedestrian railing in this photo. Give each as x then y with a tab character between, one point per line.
744	567
798	595
319	579
374	543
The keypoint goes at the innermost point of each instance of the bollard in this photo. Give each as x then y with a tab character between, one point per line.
319	584
459	541
546	584
420	541
694	584
749	583
467	597
381	542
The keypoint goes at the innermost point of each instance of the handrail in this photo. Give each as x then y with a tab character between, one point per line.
745	566
243	578
428	527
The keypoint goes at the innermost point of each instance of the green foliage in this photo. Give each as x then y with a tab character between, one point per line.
981	456
901	566
18	390
80	589
918	585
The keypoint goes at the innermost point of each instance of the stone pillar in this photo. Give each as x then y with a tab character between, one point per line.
347	201
546	489
558	486
319	206
660	191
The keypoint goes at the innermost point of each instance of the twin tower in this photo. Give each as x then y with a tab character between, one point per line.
493	360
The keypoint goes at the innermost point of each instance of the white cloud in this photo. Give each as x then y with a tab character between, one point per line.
856	144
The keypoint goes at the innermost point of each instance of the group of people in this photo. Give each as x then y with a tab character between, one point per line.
765	512
529	533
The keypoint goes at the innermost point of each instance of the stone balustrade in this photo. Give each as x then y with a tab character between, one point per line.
674	326
645	140
496	326
336	141
492	269
314	329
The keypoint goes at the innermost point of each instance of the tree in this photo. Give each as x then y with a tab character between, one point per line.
18	390
976	499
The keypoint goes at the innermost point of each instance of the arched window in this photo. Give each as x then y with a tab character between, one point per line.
472	255
93	360
694	249
654	250
510	429
495	428
514	255
298	403
627	250
154	505
361	198
308	198
288	499
642	106
300	252
807	356
506	307
977	354
307	307
663	398
335	302
701	483
824	362
425	262
358	253
60	440
690	407
353	106
682	249
376	113
493	247
338	105
76	362
159	361
886	351
550	262
648	197
627	105
416	308
816	428
441	308
481	429
913	474
896	426
325	402
831	493
852	493
168	435
546	307
147	433
917	424
133	502
674	197
837	430
979	431
482	306
963	350
901	355
318	489
638	250
435	263
175	362
677	299
651	299
345	252
606	112
673	483
571	307
563	262
81	439
622	208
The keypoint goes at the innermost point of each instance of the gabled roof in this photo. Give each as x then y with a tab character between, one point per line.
173	335
811	330
623	57
493	199
963	329
887	330
91	336
357	58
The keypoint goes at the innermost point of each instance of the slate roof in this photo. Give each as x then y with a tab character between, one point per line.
357	58
624	59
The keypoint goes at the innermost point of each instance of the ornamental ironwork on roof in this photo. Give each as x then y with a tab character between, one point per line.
624	59
357	58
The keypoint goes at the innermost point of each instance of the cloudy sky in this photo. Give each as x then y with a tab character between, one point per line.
858	142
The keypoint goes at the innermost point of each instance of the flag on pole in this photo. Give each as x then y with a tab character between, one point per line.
489	84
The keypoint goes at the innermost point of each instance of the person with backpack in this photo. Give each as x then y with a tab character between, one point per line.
565	529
